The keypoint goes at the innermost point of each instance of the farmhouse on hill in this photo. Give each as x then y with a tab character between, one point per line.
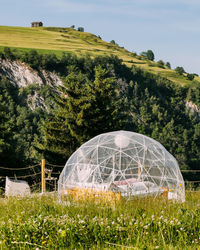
36	24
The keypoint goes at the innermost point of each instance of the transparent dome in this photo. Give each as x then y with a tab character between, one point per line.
124	162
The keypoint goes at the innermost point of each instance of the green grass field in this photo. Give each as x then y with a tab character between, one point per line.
42	222
58	40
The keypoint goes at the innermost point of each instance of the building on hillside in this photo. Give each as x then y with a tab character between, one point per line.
36	24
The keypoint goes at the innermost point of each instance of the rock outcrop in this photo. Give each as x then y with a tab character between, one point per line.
193	108
21	74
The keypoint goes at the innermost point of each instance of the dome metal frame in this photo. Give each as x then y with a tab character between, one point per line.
124	162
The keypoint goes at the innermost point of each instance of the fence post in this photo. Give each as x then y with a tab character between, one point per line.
43	176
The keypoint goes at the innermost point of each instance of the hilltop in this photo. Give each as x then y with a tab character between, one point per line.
57	40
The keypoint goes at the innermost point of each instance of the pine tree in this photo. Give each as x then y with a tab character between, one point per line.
3	131
84	110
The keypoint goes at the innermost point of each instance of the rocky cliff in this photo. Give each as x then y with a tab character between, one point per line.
21	74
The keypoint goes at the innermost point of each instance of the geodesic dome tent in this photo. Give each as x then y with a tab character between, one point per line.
123	162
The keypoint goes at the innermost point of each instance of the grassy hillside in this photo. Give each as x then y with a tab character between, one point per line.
57	40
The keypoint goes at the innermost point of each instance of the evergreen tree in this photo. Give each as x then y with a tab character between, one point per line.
84	110
150	55
4	128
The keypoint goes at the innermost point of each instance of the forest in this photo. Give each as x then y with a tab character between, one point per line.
98	95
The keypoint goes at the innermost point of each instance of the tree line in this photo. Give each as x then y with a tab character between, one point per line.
98	95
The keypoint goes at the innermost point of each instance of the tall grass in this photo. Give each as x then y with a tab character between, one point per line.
45	222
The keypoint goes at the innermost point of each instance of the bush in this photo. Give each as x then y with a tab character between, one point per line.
8	54
168	65
150	55
113	42
160	64
190	76
180	70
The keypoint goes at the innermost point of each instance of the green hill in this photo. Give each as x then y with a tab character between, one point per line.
58	40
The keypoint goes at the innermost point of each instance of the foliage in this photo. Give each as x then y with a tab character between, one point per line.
160	64
85	109
20	126
113	42
190	76
99	94
4	127
150	55
168	65
180	70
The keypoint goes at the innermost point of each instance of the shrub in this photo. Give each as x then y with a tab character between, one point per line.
180	70
150	55
168	65
112	42
190	76
160	64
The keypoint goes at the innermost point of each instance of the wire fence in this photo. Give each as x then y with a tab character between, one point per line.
34	174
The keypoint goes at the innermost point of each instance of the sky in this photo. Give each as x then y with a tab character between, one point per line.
171	29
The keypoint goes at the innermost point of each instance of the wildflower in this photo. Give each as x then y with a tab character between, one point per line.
63	233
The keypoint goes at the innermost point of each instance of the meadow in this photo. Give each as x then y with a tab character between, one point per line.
44	222
47	40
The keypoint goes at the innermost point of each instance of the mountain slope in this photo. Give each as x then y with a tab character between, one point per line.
59	40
